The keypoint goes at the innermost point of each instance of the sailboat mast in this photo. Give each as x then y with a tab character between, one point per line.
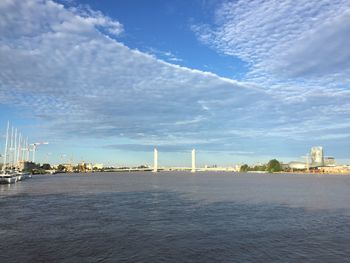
23	150
19	149
27	149
11	148
6	144
15	151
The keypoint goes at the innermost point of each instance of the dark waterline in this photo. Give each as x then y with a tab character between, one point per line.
176	217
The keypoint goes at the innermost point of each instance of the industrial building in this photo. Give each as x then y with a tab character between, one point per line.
316	161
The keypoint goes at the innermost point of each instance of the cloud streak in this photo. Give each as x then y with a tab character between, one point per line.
307	38
70	69
88	84
297	52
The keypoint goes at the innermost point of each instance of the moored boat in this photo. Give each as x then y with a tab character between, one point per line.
27	175
7	178
22	175
13	155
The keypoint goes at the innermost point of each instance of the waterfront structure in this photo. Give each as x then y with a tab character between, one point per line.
85	167
193	170
155	165
25	166
68	167
336	169
317	157
237	167
329	161
98	166
297	165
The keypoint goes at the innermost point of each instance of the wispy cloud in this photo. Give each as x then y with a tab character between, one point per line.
297	52
67	66
295	39
166	55
58	63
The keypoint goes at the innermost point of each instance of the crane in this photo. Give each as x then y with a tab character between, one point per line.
34	145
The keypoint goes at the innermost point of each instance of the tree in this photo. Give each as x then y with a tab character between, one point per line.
46	166
244	168
259	168
61	168
274	166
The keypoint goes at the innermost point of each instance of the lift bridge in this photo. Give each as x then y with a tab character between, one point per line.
156	168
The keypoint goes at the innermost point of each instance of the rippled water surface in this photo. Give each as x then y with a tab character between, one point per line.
176	217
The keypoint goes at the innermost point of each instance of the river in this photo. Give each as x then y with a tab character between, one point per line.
176	217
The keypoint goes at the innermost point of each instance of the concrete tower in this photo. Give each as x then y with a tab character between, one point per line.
155	165
317	157
193	161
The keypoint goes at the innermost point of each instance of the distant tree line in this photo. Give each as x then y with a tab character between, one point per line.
271	167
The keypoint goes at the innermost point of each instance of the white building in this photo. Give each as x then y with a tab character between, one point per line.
297	165
329	161
317	157
98	166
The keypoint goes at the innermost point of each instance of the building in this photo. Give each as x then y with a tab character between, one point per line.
89	166
285	166
297	165
26	166
68	167
329	161
317	158
236	168
339	169
98	166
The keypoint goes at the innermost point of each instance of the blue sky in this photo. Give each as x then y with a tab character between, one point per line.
240	81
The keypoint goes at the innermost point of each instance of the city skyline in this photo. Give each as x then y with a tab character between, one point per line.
238	81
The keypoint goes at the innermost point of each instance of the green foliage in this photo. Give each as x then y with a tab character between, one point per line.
274	166
244	168
258	168
61	168
46	166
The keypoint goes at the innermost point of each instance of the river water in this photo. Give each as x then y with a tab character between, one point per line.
176	217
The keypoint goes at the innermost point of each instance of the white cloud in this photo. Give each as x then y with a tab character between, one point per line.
166	55
87	84
60	64
307	39
96	18
297	51
20	19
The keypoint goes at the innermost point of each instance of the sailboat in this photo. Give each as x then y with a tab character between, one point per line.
14	154
7	177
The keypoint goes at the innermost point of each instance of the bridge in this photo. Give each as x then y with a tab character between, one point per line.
156	168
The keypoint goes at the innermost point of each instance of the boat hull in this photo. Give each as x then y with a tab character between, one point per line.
6	179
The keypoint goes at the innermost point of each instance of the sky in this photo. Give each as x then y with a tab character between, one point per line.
240	81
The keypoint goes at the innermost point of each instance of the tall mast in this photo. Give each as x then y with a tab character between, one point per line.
193	170
6	144
23	149
11	148
19	149
27	148
155	157
15	150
